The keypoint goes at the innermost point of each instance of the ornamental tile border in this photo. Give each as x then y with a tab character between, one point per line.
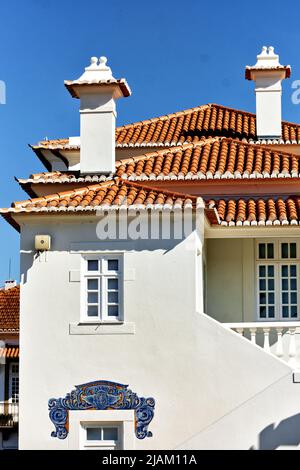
101	395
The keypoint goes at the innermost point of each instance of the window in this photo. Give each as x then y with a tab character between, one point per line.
14	382
277	278
102	436
102	288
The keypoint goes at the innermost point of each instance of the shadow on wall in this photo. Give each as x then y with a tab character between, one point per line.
286	433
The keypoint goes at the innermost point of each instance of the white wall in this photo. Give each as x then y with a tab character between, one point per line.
268	421
196	370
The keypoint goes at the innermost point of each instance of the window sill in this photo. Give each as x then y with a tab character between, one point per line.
102	328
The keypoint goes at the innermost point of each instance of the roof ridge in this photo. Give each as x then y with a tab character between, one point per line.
163	117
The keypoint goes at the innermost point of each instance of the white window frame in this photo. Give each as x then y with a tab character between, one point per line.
80	419
277	262
104	444
13	375
102	275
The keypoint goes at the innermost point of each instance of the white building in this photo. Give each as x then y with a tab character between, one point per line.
139	331
9	365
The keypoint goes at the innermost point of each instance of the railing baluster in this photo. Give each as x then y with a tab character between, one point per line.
266	339
240	331
292	347
253	334
279	349
284	350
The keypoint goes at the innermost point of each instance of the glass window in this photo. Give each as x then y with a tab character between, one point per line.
112	265
102	437
289	308
93	265
289	250
266	292
266	250
277	281
102	289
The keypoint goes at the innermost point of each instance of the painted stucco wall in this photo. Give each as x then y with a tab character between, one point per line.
274	412
196	370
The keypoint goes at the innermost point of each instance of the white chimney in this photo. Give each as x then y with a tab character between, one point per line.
267	74
98	91
9	284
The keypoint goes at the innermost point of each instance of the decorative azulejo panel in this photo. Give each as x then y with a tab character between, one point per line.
101	395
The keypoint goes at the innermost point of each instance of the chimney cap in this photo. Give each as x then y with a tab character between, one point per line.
9	284
98	73
267	61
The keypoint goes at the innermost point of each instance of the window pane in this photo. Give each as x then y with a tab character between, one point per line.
113	284
293	270
92	297
284	250
285	311
262	312
271	298
262	284
271	312
262	298
262	271
284	271
113	310
92	284
92	311
270	271
294	311
285	298
271	284
293	297
285	284
110	434
293	251
270	250
93	265
261	250
113	265
293	284
93	434
113	297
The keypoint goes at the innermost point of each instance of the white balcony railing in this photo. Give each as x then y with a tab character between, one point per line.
9	414
278	338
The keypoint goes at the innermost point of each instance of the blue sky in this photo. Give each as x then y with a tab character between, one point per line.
174	54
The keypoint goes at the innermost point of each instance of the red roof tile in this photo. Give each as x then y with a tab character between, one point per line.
113	194
249	211
212	158
11	351
10	309
188	126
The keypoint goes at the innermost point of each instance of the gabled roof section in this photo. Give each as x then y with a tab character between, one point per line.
112	195
10	309
215	158
190	125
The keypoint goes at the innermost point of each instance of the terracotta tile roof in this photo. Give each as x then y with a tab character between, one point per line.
213	158
113	194
217	158
261	212
187	126
10	309
12	352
